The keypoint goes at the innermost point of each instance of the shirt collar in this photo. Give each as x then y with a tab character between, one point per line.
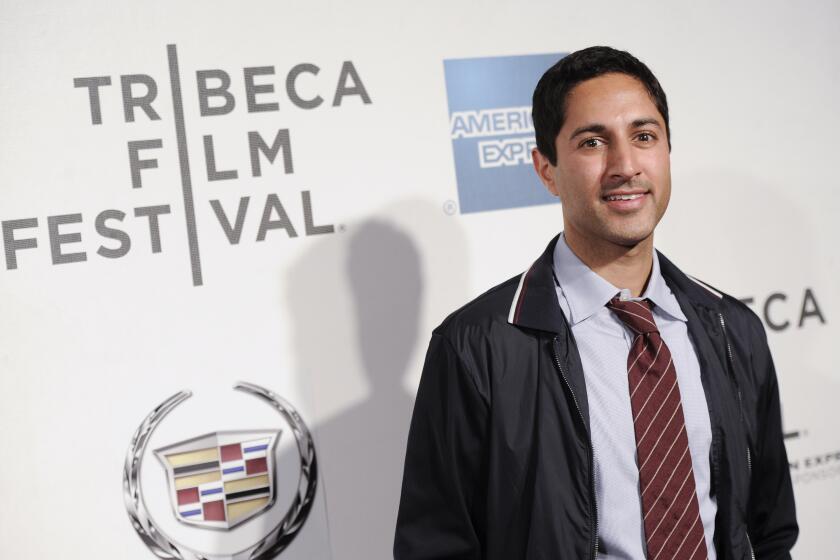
660	294
587	293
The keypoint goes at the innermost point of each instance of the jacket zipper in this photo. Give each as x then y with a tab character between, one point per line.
749	544
594	504
732	369
741	410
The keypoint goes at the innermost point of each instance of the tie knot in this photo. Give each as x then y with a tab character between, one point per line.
635	314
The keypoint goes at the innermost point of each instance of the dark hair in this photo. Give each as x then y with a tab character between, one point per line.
549	103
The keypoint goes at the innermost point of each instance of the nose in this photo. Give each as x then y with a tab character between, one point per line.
621	162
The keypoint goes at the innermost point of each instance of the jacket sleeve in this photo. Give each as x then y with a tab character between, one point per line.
440	491
772	512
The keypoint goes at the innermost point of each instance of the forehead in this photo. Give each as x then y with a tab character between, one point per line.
606	98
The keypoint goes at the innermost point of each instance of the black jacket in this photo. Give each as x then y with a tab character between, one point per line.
499	460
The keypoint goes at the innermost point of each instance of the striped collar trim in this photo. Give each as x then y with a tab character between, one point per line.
518	297
708	288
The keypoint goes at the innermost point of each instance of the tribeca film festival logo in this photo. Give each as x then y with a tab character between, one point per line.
139	93
219	481
492	131
781	311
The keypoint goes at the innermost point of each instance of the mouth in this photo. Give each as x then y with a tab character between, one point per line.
626	200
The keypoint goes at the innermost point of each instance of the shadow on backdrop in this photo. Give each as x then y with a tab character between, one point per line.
358	301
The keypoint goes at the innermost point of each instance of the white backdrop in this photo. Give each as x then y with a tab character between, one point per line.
337	322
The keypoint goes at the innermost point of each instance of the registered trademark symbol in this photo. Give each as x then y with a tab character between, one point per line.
342	228
449	207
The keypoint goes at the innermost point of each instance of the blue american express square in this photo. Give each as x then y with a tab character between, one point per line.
492	132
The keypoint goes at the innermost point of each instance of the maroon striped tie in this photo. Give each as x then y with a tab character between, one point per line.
673	528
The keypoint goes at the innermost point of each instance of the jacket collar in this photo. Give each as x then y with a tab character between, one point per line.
535	305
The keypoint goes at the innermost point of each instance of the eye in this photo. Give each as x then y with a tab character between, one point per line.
645	137
591	143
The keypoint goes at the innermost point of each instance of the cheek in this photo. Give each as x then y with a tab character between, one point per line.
666	197
663	182
658	164
578	185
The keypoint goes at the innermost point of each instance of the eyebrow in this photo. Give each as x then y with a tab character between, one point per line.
600	128
639	123
596	128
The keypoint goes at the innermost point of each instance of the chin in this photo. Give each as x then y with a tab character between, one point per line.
629	238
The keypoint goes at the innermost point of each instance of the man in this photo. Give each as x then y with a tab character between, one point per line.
601	404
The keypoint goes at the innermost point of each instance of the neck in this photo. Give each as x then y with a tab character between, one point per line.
622	266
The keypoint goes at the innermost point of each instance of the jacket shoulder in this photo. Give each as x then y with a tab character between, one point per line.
745	331
698	291
738	314
479	330
480	314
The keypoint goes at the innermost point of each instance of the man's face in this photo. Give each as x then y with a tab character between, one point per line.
613	142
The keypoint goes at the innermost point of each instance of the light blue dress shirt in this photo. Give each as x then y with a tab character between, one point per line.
604	344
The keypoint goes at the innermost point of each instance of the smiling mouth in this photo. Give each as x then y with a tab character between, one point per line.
624	196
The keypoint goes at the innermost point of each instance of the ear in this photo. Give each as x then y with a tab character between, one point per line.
545	171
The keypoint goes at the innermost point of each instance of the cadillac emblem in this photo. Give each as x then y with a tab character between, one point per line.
221	480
